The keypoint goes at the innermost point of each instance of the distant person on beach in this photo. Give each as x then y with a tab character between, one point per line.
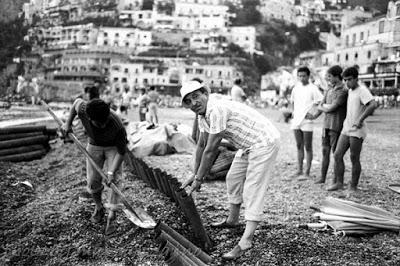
360	105
154	99
237	93
143	101
305	98
257	141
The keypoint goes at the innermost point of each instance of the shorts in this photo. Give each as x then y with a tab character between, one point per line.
330	138
306	125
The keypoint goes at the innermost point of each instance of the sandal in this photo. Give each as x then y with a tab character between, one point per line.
224	224
235	253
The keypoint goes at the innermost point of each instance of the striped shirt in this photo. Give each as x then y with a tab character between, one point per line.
241	125
113	134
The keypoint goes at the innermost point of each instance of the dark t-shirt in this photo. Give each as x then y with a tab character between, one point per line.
113	134
338	95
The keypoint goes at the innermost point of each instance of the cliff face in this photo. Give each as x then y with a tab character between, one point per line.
9	9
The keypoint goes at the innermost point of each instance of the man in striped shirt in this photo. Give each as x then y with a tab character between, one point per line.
107	146
257	141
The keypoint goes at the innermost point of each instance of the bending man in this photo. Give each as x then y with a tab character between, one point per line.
258	143
107	146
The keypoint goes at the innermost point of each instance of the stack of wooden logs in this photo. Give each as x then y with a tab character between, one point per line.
25	143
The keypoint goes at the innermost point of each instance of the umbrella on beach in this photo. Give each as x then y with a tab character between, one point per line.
348	217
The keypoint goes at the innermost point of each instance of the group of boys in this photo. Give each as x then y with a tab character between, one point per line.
346	105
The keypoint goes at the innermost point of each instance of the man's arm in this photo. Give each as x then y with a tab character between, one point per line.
370	107
340	101
201	145
207	158
73	112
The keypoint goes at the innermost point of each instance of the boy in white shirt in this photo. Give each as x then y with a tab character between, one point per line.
305	96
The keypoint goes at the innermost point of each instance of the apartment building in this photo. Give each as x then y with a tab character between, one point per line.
84	65
59	36
140	72
244	36
131	38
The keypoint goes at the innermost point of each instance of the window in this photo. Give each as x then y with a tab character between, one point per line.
361	36
381	26
124	80
369	54
347	57
126	71
105	34
347	40
116	35
398	10
105	43
115	79
219	73
355	56
354	39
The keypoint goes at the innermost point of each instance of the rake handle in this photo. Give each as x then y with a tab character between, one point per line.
91	160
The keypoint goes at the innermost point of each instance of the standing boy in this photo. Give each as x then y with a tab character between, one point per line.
334	107
305	96
360	104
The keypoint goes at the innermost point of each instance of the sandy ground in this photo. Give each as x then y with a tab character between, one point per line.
49	225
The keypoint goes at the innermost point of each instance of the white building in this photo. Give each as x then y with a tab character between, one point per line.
124	37
244	36
278	9
60	36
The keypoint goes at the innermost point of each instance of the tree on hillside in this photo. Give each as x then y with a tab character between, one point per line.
248	15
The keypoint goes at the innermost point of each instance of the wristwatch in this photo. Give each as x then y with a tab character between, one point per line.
198	178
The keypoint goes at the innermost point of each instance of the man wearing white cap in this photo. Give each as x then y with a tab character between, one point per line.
257	141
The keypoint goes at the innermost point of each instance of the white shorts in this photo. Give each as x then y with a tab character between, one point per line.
248	178
306	125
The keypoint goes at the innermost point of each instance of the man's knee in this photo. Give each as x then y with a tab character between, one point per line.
326	150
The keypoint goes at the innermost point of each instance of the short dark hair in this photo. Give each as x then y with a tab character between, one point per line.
152	88
350	72
93	92
97	110
304	69
199	80
335	71
237	81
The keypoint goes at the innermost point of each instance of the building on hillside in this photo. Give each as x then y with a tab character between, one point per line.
84	65
384	73
373	46
354	16
278	9
130	38
138	72
243	36
218	77
123	5
208	42
59	36
200	14
139	18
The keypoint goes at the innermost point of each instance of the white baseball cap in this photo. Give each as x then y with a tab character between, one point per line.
189	87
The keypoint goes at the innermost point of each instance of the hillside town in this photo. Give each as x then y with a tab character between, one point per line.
136	44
